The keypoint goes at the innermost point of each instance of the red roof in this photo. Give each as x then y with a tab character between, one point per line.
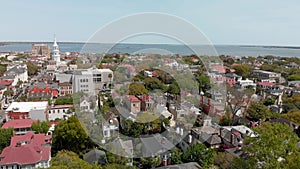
25	154
6	82
236	133
18	123
132	98
266	84
53	123
61	106
31	138
146	98
154	73
219	68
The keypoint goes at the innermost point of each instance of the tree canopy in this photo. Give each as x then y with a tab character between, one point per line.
294	117
199	153
2	69
40	127
242	70
137	89
275	147
293	77
32	68
67	159
63	100
204	83
174	89
70	135
258	111
5	136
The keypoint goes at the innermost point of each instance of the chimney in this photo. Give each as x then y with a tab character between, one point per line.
177	130
221	132
190	139
233	139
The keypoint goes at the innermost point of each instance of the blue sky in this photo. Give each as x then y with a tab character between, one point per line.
254	22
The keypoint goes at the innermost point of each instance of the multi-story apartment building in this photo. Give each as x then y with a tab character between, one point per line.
92	80
65	89
266	75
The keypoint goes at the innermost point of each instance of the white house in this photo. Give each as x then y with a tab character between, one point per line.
84	104
59	112
245	83
19	72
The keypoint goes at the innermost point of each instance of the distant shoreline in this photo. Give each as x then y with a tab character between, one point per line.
257	46
243	46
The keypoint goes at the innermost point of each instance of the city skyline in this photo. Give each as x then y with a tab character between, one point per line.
223	22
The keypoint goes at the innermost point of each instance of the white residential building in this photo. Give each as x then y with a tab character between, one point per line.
19	72
59	112
245	83
92	80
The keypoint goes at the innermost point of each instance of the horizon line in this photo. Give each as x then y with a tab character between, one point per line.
132	43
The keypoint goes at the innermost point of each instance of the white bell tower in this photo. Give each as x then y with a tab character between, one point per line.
56	55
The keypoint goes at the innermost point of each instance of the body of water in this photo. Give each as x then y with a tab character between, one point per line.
164	49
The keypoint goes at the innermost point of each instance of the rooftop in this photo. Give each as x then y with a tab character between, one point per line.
18	123
30	137
27	106
133	98
25	154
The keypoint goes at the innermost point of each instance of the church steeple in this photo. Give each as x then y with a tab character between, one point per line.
56	55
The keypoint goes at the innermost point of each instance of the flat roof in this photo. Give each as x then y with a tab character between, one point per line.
27	106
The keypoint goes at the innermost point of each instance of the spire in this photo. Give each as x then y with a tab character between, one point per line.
55	43
56	55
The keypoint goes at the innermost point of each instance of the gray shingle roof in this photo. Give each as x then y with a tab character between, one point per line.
15	70
155	144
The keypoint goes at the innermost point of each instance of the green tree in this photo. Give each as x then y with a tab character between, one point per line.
174	89
2	69
176	156
40	127
204	83
294	117
154	83
5	136
259	111
150	162
291	104
63	100
224	160
67	159
118	166
131	128
269	101
293	77
137	89
199	153
242	70
32	69
8	93
275	141
70	135
166	121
